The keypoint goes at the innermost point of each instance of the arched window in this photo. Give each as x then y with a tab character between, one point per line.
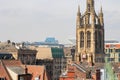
82	39
88	7
90	19
88	39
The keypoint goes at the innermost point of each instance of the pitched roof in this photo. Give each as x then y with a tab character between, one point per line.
17	69
37	72
3	71
43	53
12	62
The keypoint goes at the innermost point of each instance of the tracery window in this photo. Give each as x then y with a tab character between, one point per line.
88	39
82	39
100	42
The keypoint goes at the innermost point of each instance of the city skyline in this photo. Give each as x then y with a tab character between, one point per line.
29	20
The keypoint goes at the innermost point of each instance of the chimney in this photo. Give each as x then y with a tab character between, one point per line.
98	74
26	69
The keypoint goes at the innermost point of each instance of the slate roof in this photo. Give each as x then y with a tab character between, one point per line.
86	67
12	62
17	69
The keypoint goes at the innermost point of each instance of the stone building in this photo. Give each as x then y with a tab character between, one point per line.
18	52
90	34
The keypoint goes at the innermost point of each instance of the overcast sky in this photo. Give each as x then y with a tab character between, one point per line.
34	20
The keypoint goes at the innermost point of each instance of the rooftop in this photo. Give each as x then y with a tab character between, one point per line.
17	69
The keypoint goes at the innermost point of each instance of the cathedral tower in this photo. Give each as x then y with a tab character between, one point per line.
89	34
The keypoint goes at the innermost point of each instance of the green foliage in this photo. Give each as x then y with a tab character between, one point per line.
110	74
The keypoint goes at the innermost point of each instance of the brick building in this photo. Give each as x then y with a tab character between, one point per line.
15	70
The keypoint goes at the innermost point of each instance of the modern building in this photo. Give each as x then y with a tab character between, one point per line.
90	34
10	50
112	50
49	42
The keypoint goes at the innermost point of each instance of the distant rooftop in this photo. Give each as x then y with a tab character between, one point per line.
111	41
51	40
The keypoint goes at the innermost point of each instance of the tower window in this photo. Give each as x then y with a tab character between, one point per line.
96	39
100	42
81	39
88	7
88	39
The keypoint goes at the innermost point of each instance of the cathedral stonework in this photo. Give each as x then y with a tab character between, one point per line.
90	34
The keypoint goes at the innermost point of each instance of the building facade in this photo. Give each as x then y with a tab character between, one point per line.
112	50
89	34
9	50
53	59
15	70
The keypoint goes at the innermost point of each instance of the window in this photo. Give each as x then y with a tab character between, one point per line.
117	50
88	7
88	39
119	55
96	40
81	39
105	50
111	50
21	78
100	39
119	59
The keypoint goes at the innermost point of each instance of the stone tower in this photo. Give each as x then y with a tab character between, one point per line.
89	34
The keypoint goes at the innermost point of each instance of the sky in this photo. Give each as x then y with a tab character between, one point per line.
34	20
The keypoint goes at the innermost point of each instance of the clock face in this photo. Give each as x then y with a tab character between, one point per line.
84	56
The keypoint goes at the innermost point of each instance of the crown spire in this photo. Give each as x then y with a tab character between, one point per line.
78	13
101	16
101	11
78	16
90	5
